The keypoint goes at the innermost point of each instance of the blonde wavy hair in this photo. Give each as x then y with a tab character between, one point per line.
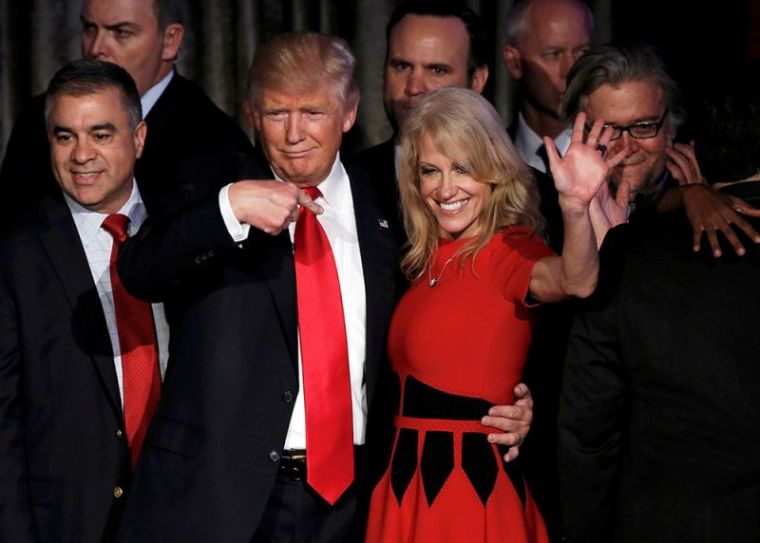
468	130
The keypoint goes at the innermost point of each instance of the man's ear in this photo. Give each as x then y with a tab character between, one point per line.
512	61
173	35
479	79
141	132
349	116
249	115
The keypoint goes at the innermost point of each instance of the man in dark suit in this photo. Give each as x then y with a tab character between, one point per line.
544	38
227	458
431	44
660	406
68	436
144	37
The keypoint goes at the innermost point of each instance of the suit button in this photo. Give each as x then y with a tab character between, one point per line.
119	433
287	396
118	492
274	456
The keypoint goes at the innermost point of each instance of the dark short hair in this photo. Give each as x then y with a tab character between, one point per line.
83	77
478	53
617	64
169	12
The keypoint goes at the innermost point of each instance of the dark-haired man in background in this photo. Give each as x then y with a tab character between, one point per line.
431	44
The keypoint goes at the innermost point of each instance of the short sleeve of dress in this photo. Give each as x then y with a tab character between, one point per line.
515	251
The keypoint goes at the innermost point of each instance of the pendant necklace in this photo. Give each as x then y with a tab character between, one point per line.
433	281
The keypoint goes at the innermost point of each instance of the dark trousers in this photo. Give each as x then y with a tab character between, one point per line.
295	513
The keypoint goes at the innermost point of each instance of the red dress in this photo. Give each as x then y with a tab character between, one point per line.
459	347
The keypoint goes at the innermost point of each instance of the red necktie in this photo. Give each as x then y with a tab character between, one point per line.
324	357
139	351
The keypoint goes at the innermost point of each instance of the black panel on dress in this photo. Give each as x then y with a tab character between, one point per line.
437	462
404	462
424	401
515	474
479	464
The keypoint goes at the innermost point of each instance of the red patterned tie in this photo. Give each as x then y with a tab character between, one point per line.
324	357
139	351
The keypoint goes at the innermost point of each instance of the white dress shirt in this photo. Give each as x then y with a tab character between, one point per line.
527	144
151	96
339	223
97	245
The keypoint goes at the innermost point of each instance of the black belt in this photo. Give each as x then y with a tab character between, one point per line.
293	462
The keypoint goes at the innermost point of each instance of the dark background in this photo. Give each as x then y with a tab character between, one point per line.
708	46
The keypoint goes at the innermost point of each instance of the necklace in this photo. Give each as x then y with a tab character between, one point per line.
433	281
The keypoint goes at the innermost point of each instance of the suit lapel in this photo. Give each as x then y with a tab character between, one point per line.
274	257
60	240
379	251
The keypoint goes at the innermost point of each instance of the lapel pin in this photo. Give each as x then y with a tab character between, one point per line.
383	223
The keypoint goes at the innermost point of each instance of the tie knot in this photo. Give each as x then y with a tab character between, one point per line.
116	225
314	192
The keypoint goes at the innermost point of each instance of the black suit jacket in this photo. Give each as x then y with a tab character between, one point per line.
212	452
381	161
660	408
61	450
187	134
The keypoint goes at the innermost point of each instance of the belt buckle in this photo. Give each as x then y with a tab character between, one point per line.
293	465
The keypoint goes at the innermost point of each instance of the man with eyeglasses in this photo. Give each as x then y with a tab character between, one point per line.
642	102
630	88
660	412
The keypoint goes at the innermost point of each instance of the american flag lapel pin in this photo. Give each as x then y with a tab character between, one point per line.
383	223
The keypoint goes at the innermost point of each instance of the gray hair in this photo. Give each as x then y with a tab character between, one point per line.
614	65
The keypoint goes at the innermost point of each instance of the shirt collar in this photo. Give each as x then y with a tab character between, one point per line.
89	222
334	187
152	95
527	142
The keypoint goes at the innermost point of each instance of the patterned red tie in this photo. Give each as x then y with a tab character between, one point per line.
324	357
139	351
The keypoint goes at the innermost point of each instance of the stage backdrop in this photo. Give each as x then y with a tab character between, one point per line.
37	36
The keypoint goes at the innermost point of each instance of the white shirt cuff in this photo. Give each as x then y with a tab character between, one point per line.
238	231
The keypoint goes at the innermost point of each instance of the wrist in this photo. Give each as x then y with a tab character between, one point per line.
234	194
573	206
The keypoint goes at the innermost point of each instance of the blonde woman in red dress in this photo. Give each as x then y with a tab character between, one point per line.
459	337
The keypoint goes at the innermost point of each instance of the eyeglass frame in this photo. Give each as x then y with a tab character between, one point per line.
646	124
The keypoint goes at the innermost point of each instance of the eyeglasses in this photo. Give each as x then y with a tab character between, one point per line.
639	131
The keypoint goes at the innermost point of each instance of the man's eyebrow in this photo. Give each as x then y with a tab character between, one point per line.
113	26
103	126
438	65
93	128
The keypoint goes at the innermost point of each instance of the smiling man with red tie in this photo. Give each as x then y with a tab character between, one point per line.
80	359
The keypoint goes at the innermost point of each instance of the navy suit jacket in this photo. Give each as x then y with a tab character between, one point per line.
62	452
212	452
